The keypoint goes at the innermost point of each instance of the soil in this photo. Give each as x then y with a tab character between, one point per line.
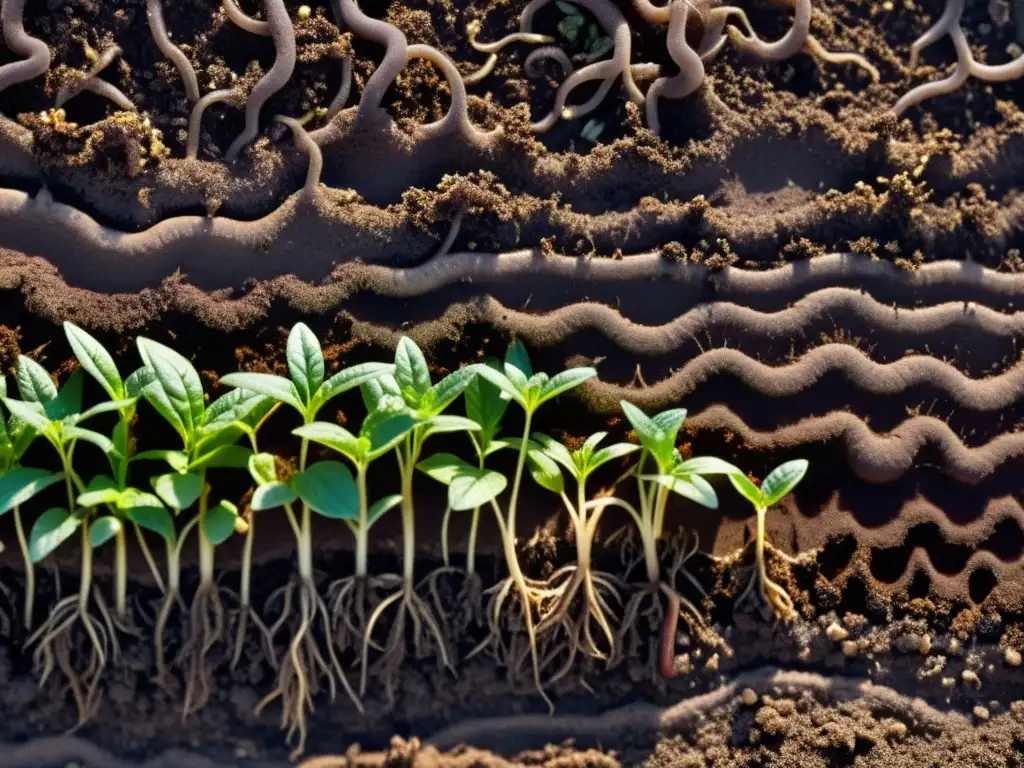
806	272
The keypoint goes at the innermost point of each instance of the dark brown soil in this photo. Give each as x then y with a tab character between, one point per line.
809	275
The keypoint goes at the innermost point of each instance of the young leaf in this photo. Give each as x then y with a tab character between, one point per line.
69	399
102	442
21	484
375	389
411	371
29	412
473	487
102	530
694	488
305	361
556	451
155	395
262	468
782	480
651	437
34	383
107	407
138	381
219	522
237	406
386	430
450	387
331	435
451	424
51	529
706	465
275	387
670	421
517	357
610	453
329	489
95	360
179	381
565	381
272	495
101	490
223	457
568	8
381	506
443	467
178	491
484	403
176	460
545	471
146	511
748	490
503	382
350	378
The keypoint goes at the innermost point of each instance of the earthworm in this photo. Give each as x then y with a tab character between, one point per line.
473	29
196	117
310	147
614	23
155	16
785	47
667	638
274	80
651	13
12	19
691	68
338	103
91	82
457	117
241	20
532	64
950	17
949	84
453	232
395	46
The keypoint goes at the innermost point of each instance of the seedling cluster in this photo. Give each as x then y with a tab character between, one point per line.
363	624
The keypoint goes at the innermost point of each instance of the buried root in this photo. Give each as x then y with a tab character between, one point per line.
468	602
206	629
309	664
352	600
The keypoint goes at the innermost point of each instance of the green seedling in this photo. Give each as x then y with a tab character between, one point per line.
547	459
572	23
486	406
57	418
672	475
410	392
97	362
774	488
307	390
171	385
529	391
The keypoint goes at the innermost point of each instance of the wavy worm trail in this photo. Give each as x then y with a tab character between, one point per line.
37	53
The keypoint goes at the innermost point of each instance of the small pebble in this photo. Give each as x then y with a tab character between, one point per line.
971	678
712	664
836	633
749	697
1012	657
851	648
981	712
896	730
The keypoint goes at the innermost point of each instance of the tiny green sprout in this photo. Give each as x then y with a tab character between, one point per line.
548	459
774	488
517	381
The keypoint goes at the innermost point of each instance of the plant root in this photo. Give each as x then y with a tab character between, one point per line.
305	667
352	600
55	641
467	603
771	593
206	628
239	619
171	599
427	633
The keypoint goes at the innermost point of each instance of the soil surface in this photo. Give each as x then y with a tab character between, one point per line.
808	272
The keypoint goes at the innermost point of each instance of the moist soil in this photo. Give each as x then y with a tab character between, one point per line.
693	268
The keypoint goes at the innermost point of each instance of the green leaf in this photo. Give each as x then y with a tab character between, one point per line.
102	530
646	430
3	385
556	451
155	395
450	387
138	381
223	457
781	480
747	489
305	362
243	406
443	423
381	506
517	357
69	399
101	490
443	467
107	407
275	387
544	471
473	487
263	468
51	529
706	465
29	412
350	378
565	381
102	442
176	460
610	453
329	489
600	47
386	430
95	360
503	383
22	484
411	371
694	488
484	403
219	522
178	490
670	421
179	381
272	495
331	435
568	8
376	389
34	383
146	511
